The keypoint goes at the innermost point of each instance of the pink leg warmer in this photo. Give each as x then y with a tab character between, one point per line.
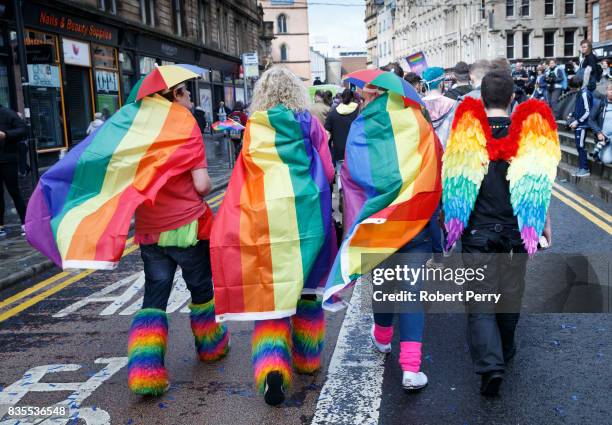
383	334
410	356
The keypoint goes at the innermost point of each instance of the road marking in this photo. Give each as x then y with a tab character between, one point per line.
586	203
38	298
30	383
353	388
34	288
595	220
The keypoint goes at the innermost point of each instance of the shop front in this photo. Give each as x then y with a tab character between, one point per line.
73	69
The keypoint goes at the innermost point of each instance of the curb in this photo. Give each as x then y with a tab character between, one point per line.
33	270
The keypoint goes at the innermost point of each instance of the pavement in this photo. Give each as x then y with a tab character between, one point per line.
63	338
21	261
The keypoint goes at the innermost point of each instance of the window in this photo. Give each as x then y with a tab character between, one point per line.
525	8
202	16
569	7
549	7
282	23
147	12
109	6
238	37
568	43
549	44
482	9
510	45
178	25
226	33
595	22
509	7
283	52
526	45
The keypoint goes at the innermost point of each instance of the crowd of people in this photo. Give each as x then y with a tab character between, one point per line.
272	250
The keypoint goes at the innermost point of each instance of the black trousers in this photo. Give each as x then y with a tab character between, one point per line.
8	178
500	254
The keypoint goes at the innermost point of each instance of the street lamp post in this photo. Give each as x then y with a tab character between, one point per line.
25	84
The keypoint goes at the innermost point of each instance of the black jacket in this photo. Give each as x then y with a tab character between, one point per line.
15	130
338	123
598	114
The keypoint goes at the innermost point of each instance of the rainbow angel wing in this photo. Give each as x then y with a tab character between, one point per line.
464	166
533	170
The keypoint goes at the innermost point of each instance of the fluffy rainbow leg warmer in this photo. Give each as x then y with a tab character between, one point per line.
146	349
308	336
271	351
211	338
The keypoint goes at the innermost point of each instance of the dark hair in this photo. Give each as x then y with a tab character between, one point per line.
588	43
347	96
501	64
496	89
170	94
328	97
413	78
239	107
575	82
319	93
462	71
394	67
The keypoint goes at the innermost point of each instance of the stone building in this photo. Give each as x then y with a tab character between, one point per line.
84	56
371	14
599	17
291	45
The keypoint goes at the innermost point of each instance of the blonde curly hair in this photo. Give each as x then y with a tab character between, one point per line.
279	85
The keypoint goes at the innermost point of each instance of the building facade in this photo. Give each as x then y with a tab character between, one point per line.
84	56
291	45
317	66
447	31
599	17
371	23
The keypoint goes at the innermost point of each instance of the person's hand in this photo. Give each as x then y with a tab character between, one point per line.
601	137
2	135
574	125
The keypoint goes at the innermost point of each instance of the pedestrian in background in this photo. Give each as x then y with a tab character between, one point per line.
601	121
395	68
415	80
461	73
12	131
557	82
241	117
97	122
200	116
338	123
540	91
580	123
587	69
521	78
319	109
222	112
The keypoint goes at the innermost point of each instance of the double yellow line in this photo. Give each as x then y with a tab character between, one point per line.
592	213
130	247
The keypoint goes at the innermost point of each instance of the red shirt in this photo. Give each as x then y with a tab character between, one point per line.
177	204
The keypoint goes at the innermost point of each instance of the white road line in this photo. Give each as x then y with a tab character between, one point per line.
353	388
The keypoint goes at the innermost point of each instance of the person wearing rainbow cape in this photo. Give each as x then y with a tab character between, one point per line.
498	173
147	159
391	179
272	240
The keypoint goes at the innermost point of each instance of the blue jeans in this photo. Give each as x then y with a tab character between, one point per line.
580	136
160	266
411	324
436	236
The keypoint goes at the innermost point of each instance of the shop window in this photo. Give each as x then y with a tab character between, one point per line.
568	43
282	23
109	6
510	45
127	74
107	79
147	12
283	52
147	64
549	44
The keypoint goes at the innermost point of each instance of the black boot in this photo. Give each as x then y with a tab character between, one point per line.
490	383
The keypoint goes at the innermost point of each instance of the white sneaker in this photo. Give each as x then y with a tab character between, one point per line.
413	381
383	348
23	230
431	264
450	251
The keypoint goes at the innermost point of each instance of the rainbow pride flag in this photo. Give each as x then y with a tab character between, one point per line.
79	214
392	185
272	239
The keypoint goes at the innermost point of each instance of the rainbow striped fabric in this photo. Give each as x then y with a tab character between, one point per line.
531	147
79	214
391	183
271	239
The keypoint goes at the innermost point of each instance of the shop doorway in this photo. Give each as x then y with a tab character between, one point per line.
218	96
77	97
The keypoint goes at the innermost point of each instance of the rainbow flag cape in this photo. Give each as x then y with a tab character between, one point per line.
392	186
532	149
272	238
79	214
